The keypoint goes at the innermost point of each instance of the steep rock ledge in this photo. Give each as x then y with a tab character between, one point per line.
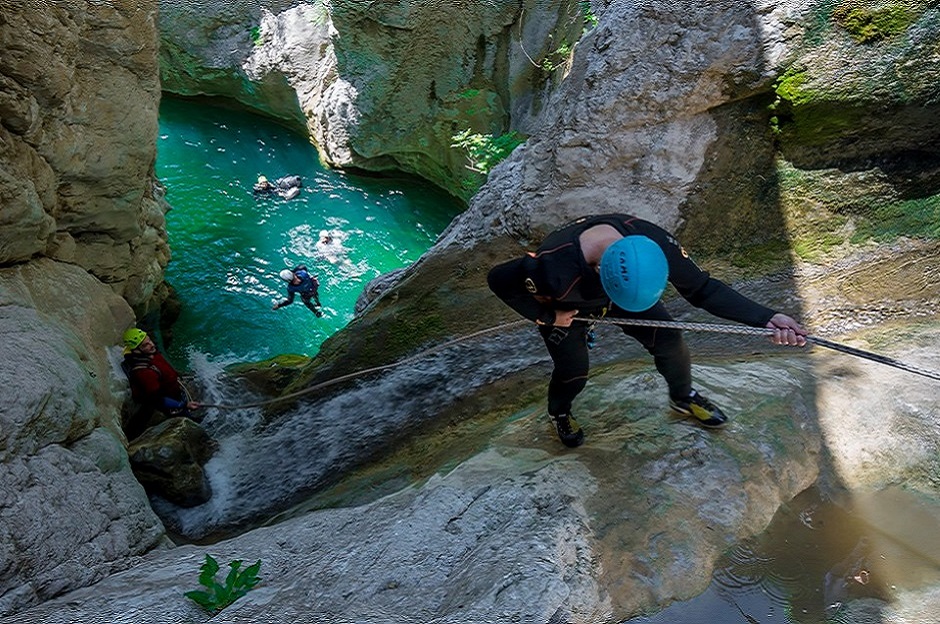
82	239
378	86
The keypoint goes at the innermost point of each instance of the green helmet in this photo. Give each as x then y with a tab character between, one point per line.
133	337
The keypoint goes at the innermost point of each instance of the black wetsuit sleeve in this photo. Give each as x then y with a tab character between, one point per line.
288	301
708	293
721	300
505	282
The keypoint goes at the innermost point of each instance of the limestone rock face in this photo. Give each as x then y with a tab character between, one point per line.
345	72
203	47
70	509
78	123
864	94
687	119
82	239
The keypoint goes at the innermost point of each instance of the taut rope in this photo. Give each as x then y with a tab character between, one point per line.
705	327
374	369
764	331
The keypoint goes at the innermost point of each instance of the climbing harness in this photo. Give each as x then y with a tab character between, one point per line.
765	331
705	327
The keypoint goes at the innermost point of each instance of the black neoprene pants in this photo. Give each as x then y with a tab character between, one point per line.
307	296
568	349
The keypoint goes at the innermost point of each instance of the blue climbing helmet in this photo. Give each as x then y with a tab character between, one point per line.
634	271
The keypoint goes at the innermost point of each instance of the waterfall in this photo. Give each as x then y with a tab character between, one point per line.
262	466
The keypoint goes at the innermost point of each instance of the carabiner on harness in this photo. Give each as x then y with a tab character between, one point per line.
591	336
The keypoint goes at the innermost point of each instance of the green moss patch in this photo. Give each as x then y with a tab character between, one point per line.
869	25
790	86
886	221
829	209
270	376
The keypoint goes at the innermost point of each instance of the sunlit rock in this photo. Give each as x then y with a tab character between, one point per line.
71	511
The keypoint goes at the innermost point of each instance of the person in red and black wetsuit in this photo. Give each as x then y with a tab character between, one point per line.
155	384
562	280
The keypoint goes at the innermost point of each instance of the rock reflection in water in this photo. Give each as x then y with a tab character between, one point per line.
817	559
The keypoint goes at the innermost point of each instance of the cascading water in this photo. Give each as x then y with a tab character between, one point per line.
228	246
262	468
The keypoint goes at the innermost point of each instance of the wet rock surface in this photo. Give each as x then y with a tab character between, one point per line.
637	517
168	460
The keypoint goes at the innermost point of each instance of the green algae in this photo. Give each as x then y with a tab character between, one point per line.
827	210
272	375
869	25
887	221
791	87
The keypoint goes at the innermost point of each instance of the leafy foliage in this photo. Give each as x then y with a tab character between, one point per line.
557	58
486	150
590	20
217	596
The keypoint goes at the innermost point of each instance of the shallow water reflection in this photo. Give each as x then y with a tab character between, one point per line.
816	557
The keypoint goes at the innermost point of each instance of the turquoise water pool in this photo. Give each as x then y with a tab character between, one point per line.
229	245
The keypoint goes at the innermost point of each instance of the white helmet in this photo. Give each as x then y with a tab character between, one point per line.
287	275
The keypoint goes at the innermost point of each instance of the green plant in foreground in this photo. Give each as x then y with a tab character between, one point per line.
217	596
486	150
256	37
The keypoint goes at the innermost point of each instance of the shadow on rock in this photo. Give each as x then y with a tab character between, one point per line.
169	461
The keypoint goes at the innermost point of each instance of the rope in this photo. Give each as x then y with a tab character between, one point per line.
368	371
743	329
706	327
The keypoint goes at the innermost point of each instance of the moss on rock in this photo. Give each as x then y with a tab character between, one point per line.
270	376
868	25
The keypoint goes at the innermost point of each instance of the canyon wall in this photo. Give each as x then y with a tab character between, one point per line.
779	139
82	244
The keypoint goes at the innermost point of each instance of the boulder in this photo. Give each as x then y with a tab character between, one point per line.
70	509
169	459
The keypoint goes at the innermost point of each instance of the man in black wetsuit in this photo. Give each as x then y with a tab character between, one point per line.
299	281
562	280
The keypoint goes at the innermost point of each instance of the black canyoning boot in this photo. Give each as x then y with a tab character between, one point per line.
701	409
569	431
